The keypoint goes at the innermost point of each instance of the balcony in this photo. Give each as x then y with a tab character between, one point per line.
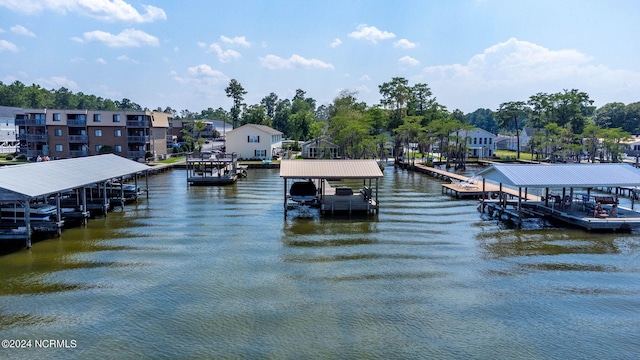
81	123
78	153
135	154
31	122
138	139
36	138
79	139
138	123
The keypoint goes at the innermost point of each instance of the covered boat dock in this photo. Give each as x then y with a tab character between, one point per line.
335	199
567	194
24	186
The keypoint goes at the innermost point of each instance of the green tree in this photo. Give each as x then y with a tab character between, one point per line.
507	116
236	92
395	95
270	103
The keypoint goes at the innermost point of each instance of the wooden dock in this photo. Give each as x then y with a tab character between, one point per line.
462	186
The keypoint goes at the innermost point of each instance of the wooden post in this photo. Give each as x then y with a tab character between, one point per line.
285	196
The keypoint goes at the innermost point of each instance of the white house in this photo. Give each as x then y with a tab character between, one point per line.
480	143
253	141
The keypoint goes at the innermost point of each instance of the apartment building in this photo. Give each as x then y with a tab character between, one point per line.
62	134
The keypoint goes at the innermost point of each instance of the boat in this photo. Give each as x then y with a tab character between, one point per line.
38	212
304	192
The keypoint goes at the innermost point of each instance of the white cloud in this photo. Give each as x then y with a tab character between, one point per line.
7	46
275	62
404	44
205	70
224	55
55	82
101	61
127	38
335	43
515	70
365	78
408	61
106	10
238	40
21	30
125	58
371	33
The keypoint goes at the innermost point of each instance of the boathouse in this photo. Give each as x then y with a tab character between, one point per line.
30	185
335	199
568	193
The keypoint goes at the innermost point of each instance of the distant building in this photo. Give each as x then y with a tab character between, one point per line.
480	143
8	134
211	127
63	134
253	141
320	148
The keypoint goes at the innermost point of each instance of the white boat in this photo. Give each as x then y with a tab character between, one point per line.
38	212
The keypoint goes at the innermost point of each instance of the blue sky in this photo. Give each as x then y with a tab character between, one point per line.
472	53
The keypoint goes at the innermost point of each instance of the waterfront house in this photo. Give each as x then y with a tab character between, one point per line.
62	134
320	147
8	134
252	141
480	143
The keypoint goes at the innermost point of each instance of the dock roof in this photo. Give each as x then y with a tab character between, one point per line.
49	177
330	169
563	175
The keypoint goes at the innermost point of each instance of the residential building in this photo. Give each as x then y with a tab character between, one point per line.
63	134
320	148
480	143
211	127
253	141
8	134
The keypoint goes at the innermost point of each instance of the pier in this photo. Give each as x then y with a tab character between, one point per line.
566	205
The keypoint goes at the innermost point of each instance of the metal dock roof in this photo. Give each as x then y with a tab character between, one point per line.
49	177
563	175
330	169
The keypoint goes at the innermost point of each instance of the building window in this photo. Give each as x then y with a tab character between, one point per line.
117	133
261	153
57	132
59	147
98	132
116	117
98	147
118	148
490	140
475	141
253	139
56	117
97	117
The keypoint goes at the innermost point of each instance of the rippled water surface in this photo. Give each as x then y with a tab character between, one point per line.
219	272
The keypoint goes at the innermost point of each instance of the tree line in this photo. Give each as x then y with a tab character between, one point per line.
565	124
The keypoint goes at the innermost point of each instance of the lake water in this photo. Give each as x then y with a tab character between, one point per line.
219	272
